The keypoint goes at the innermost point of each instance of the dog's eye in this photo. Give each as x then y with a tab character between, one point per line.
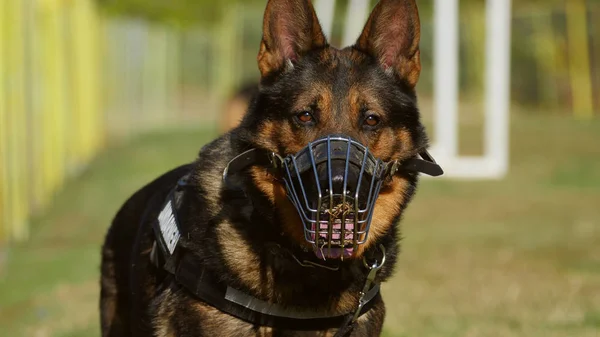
371	120
305	117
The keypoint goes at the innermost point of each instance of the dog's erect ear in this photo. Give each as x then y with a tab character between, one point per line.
290	29
392	35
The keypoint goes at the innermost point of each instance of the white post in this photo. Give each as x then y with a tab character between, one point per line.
498	16
356	17
446	78
325	11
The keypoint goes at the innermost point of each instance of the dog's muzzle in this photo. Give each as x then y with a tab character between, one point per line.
333	183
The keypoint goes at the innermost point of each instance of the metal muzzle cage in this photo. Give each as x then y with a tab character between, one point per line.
333	183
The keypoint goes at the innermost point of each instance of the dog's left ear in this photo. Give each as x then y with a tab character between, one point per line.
392	35
290	29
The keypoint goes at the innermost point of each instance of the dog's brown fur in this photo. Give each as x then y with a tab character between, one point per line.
245	232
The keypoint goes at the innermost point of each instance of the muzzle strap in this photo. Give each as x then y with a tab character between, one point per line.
426	164
252	157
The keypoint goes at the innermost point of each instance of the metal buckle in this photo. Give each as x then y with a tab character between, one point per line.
276	160
373	269
394	167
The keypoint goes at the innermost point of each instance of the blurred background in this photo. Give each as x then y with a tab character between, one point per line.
98	97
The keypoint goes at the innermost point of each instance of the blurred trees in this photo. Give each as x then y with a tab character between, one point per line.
179	12
555	43
210	11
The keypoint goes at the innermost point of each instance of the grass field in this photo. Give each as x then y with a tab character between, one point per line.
517	257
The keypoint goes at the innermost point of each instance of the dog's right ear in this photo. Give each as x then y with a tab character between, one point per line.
392	36
290	29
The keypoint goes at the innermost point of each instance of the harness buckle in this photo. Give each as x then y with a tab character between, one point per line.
276	160
395	166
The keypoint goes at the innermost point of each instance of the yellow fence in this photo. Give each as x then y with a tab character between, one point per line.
50	111
70	79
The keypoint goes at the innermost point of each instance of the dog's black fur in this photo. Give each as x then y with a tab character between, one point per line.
245	231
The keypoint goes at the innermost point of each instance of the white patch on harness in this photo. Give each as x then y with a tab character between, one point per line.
168	227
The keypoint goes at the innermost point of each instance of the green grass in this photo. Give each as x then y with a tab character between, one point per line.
516	257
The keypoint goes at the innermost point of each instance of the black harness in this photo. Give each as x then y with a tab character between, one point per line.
192	276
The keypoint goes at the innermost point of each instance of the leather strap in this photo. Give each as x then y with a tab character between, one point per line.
426	165
250	157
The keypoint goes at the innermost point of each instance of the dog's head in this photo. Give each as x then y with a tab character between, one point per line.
365	94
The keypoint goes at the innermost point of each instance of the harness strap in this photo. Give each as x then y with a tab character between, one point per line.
166	230
195	279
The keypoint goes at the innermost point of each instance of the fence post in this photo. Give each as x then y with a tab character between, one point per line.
595	51
579	60
356	18
226	68
154	76
3	132
173	70
545	49
54	94
17	164
326	11
474	25
446	81
85	89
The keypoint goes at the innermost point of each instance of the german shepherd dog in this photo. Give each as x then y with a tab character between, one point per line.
287	224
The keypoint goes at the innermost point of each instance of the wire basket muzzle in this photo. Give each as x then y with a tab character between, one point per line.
333	183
